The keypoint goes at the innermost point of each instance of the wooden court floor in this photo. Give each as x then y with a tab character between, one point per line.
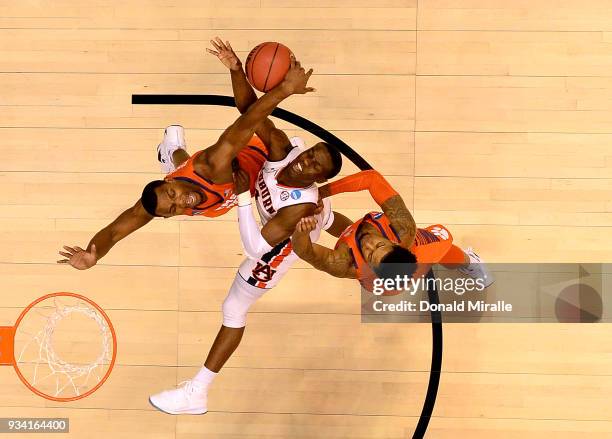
492	117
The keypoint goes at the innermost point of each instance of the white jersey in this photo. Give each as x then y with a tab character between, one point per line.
270	197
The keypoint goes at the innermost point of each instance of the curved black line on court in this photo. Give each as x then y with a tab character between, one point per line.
352	155
228	101
436	363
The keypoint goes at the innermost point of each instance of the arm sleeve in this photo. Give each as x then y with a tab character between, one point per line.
254	244
372	180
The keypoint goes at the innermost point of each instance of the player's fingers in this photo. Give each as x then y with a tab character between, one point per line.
66	255
228	45
212	52
220	42
310	89
309	73
62	261
298	226
292	58
93	249
68	249
79	249
215	45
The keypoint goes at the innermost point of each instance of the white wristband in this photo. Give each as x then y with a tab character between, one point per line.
244	199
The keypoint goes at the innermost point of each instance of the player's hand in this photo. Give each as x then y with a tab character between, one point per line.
306	224
296	79
225	53
300	240
241	181
79	258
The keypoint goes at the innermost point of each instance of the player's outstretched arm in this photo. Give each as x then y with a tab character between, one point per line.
339	224
335	262
240	132
401	219
244	95
385	196
129	221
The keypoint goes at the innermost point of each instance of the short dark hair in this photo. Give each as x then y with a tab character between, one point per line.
398	262
336	158
149	197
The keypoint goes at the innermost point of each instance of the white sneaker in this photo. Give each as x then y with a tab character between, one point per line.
174	138
477	269
187	399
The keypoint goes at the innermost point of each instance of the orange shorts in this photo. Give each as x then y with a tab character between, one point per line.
431	244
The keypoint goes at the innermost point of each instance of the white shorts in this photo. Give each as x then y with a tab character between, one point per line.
270	268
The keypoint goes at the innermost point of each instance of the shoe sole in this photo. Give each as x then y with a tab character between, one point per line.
178	413
165	168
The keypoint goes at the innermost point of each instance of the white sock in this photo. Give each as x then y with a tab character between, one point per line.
205	376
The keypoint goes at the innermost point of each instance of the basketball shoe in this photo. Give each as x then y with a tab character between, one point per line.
189	398
174	138
477	269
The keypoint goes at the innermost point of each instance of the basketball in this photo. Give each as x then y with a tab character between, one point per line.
267	65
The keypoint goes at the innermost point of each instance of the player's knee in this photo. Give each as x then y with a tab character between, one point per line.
234	312
237	304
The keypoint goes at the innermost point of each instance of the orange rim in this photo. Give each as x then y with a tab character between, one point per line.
110	367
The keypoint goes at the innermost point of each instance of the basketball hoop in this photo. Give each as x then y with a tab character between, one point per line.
63	346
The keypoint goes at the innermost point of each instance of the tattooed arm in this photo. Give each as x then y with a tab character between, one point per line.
401	219
337	262
385	196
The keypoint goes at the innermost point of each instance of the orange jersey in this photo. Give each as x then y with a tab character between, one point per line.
430	244
221	198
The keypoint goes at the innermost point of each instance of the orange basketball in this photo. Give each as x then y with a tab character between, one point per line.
267	65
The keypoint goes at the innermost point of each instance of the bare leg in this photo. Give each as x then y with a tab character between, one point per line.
223	347
179	157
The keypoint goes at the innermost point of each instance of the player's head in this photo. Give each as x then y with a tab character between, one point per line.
376	249
316	165
170	197
398	261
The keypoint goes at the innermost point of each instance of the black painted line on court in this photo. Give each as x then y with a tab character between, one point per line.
228	101
352	155
436	362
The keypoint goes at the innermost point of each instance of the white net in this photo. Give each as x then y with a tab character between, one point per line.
64	347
